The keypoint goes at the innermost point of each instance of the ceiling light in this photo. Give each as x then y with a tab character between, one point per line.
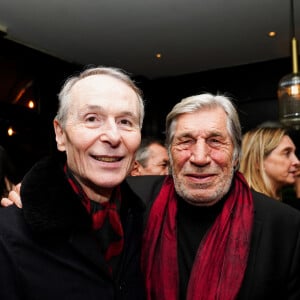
31	104
289	86
272	34
10	131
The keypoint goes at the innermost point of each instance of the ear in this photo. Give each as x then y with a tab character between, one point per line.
59	136
136	169
236	163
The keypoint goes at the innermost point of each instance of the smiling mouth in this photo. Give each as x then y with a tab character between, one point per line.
200	176
107	159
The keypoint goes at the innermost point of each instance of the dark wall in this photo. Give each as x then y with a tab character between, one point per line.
28	74
253	88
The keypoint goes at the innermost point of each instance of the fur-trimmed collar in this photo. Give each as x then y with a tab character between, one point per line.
51	206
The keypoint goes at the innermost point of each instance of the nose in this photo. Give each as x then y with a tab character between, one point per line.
110	133
200	153
295	160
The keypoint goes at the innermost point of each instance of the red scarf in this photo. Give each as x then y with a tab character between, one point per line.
106	220
222	256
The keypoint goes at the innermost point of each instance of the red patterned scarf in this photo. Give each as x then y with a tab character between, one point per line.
222	256
106	221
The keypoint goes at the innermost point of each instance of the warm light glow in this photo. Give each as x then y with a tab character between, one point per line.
272	34
22	91
289	100
158	55
10	131
20	94
295	90
31	104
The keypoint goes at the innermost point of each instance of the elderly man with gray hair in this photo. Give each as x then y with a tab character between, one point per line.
207	235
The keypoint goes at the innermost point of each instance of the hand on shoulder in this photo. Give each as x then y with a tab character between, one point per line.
13	197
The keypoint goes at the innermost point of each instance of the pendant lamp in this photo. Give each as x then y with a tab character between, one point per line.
289	87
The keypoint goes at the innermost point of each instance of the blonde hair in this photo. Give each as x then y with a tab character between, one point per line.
257	144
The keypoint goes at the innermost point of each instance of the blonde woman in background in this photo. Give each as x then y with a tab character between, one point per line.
269	162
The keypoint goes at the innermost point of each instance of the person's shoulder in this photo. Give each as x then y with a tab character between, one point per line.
11	220
9	212
267	207
46	167
263	200
148	179
146	187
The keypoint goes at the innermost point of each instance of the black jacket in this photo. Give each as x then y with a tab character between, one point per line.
48	250
273	270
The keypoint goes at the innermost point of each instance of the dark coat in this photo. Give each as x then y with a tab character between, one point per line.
273	270
48	250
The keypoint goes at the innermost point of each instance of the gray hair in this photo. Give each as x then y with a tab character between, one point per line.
142	154
203	101
64	95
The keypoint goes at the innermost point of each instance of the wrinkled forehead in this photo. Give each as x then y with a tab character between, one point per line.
102	95
204	119
101	83
103	90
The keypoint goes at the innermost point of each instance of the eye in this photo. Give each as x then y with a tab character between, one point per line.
214	141
165	165
90	118
183	143
287	153
126	122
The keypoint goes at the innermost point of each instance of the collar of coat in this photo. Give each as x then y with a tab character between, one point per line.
51	206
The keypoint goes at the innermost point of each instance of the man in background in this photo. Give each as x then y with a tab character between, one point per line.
151	158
